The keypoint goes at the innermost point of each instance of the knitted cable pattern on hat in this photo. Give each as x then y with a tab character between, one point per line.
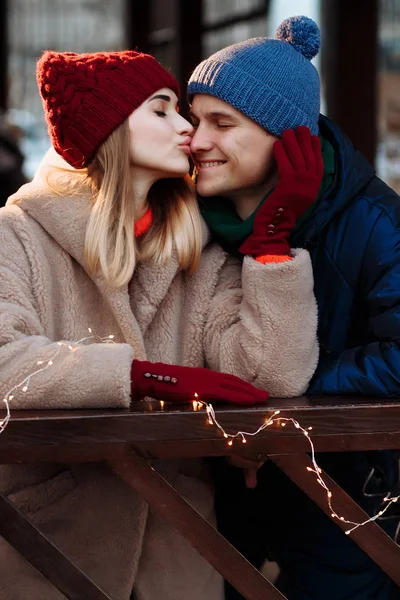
87	96
271	81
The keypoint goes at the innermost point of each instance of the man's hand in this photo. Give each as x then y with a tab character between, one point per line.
250	466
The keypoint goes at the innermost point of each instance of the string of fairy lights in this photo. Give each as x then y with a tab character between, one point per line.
43	366
317	471
241	436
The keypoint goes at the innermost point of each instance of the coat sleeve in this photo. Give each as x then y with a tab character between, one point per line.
262	324
372	369
90	376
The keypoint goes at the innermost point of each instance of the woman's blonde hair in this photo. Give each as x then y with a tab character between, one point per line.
110	245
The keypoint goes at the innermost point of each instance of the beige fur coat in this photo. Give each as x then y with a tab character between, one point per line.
256	321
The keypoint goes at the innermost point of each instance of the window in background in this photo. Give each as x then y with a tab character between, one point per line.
163	32
388	153
217	10
215	40
65	25
250	18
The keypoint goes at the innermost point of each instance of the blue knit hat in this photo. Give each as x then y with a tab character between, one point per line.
271	81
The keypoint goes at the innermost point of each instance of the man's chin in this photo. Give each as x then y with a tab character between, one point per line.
208	190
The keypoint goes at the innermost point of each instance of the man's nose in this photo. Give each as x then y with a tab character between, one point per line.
200	140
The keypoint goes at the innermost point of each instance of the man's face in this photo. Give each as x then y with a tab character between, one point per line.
232	153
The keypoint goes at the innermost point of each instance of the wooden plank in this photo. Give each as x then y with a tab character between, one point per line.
176	511
86	436
98	450
370	538
45	556
276	445
172	423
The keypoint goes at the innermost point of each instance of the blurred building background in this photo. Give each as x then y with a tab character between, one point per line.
359	62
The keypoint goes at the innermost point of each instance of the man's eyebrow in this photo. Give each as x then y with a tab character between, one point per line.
160	97
214	115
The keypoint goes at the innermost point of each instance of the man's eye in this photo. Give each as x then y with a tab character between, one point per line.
223	125
195	125
160	113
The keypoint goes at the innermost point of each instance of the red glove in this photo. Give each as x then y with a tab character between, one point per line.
300	171
179	384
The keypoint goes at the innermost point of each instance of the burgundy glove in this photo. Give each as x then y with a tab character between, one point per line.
179	384
300	171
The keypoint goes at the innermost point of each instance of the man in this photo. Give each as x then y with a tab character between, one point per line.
352	231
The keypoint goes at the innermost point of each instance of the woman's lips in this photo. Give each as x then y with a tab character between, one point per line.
185	148
185	145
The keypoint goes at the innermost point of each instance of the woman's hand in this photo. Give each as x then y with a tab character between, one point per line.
174	383
300	171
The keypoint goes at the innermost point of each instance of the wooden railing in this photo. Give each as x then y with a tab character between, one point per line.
127	439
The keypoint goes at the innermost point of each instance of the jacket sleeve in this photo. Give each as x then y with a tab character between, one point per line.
90	376
373	368
262	324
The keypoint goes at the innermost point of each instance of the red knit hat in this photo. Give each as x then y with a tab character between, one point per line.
87	96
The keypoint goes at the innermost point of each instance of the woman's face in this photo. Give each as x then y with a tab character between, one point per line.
159	137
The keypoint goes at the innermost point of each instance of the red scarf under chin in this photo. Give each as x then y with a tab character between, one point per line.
143	224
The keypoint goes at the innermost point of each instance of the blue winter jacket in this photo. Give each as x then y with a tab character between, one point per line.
353	236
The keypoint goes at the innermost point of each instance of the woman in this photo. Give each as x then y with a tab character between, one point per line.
108	236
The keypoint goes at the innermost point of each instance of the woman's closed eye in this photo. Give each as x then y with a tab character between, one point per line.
160	113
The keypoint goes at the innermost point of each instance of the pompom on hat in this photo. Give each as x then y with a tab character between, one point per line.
271	81
87	96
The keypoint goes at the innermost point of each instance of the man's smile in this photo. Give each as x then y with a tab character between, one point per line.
208	164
